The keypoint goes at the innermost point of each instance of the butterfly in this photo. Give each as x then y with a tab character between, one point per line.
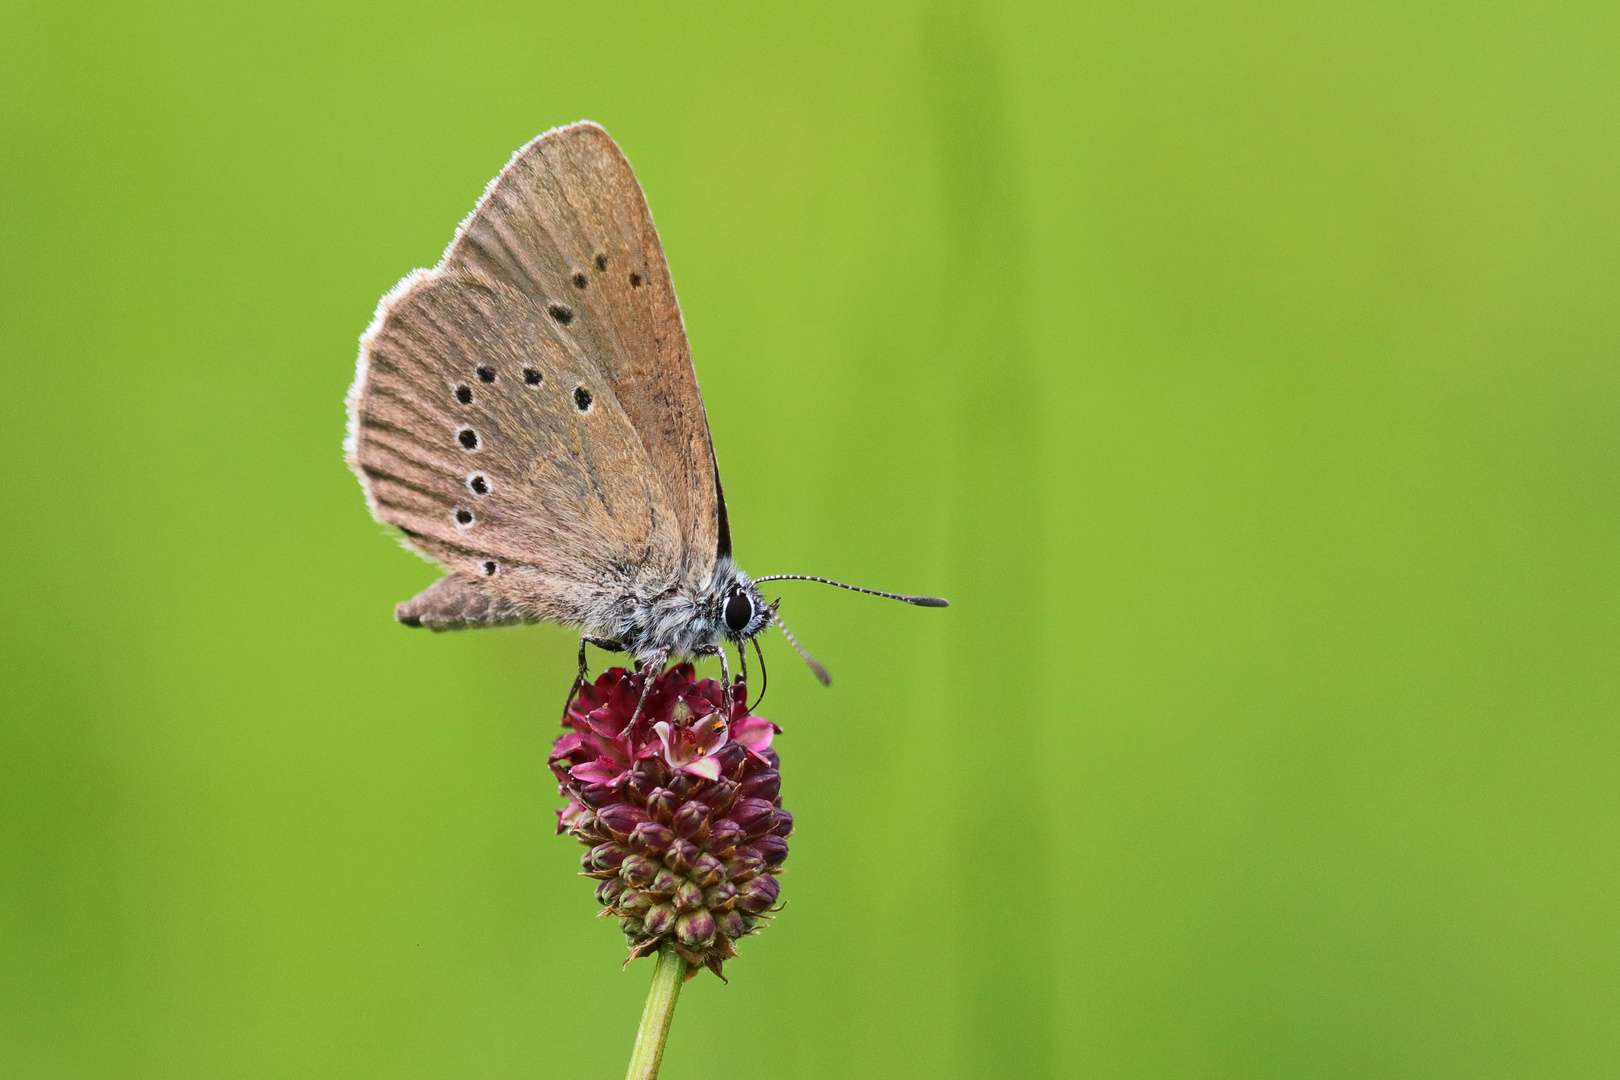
526	413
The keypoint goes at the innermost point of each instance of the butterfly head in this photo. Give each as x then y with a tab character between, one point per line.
744	611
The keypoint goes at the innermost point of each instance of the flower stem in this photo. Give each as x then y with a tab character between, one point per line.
655	1018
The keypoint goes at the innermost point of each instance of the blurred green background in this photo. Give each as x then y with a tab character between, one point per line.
1245	374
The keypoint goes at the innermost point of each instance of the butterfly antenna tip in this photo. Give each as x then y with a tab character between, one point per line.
815	665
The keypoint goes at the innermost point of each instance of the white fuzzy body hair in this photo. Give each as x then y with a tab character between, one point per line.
677	622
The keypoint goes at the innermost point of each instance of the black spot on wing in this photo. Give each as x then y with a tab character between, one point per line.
561	314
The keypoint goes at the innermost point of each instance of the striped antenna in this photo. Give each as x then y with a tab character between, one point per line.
815	665
920	601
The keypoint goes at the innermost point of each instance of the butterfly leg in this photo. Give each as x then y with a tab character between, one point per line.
725	663
606	645
649	675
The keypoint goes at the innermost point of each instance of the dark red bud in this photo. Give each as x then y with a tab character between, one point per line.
681	855
724	836
720	795
639	786
597	795
639	871
731	757
773	849
692	819
755	816
743	866
660	920
687	896
766	784
569	816
706	870
695	929
651	769
665	883
603	860
636	903
770	756
731	923
661	805
651	838
619	819
681	784
720	897
757	896
591	831
609	890
784	824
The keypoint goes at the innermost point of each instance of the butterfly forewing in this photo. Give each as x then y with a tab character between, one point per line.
497	446
566	224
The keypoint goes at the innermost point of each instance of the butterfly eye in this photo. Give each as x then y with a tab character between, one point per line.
739	612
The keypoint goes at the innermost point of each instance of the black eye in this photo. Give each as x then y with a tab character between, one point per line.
739	612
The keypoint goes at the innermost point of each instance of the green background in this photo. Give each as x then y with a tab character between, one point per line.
1245	374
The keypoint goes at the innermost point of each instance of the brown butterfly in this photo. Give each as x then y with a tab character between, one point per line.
526	413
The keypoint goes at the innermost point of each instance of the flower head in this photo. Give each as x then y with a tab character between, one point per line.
681	810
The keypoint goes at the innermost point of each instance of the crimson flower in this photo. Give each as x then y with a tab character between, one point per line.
682	811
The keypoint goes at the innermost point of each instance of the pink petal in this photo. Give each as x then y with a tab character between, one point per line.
605	723
612	749
708	768
711	733
598	772
675	753
566	745
754	732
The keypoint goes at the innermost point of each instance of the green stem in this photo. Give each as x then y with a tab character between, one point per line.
655	1018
